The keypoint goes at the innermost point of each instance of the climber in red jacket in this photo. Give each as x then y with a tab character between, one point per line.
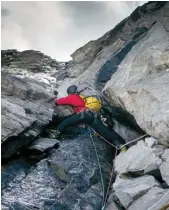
86	116
73	100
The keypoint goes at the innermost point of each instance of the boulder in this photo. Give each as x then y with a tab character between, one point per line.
139	159
25	112
113	202
150	142
111	205
127	133
43	144
140	86
40	147
165	155
154	199
128	190
164	168
92	199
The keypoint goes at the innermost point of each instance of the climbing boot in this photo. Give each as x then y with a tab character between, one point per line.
53	134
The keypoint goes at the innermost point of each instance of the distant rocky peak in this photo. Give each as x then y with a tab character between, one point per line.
32	60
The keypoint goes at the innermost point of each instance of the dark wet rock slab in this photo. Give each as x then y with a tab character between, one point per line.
39	148
111	66
67	178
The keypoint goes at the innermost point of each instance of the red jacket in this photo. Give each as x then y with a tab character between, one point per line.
74	100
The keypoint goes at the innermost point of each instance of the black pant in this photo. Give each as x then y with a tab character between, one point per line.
94	122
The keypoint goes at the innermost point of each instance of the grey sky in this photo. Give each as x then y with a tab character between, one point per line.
59	28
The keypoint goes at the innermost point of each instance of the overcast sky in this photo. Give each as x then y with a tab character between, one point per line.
59	28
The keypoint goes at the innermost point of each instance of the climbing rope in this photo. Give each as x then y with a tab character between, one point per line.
104	139
117	147
110	181
134	140
101	175
111	174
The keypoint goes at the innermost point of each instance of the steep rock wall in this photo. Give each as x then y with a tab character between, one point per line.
141	83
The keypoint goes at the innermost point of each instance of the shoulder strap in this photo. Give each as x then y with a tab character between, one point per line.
90	96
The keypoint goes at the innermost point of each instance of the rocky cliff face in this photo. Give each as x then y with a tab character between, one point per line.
38	172
132	67
128	67
141	83
102	57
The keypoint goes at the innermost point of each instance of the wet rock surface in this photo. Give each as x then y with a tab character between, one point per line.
68	178
43	144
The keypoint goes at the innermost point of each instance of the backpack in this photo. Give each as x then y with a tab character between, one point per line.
92	103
